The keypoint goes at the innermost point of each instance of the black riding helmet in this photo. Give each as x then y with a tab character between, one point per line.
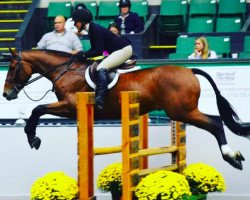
82	15
80	6
124	3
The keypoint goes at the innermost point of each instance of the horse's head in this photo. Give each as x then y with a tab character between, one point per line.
17	76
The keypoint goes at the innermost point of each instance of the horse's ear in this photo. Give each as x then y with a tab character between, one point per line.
11	51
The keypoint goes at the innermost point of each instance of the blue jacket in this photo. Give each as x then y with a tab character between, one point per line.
102	39
132	23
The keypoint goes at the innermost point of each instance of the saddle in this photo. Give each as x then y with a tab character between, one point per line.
113	74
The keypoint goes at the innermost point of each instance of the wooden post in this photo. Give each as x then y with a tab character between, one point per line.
85	121
130	142
178	132
144	139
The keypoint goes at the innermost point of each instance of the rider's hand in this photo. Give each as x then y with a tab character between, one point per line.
74	52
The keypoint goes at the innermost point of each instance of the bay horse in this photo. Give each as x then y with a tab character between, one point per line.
174	89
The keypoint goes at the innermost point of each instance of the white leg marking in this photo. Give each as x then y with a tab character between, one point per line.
226	150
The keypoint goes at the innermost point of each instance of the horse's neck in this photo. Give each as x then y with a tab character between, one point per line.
51	65
47	64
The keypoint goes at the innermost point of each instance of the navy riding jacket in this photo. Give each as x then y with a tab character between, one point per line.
102	39
132	23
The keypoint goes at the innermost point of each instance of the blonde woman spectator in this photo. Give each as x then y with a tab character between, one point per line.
202	50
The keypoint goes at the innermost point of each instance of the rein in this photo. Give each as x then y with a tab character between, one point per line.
36	99
63	72
51	70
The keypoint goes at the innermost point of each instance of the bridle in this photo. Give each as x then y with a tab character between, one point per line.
18	86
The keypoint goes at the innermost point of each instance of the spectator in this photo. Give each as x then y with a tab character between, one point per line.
60	39
129	22
119	48
202	50
76	28
114	28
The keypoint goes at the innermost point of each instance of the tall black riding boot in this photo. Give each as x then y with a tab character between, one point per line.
101	88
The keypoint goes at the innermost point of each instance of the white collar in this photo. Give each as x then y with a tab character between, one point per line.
87	27
123	17
59	34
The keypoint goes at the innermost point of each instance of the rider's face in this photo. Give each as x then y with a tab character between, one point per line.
79	26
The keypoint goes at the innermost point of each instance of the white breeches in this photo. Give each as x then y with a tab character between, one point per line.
116	58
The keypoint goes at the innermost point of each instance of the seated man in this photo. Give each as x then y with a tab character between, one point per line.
129	22
60	39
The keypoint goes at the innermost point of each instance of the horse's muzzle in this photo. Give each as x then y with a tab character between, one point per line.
4	94
10	95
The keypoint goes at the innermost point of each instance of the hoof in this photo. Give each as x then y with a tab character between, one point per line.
235	161
36	142
239	156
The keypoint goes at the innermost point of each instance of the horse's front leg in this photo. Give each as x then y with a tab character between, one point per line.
30	128
59	109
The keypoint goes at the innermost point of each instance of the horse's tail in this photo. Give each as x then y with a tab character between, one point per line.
228	115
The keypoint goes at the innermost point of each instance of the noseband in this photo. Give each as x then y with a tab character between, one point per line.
17	87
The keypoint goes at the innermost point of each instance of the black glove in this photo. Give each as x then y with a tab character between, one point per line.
80	54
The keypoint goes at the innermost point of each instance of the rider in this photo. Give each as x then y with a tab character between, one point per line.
101	39
70	24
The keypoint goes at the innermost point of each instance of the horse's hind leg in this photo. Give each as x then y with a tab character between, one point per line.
214	125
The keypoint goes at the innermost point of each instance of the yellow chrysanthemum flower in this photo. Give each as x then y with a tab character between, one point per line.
54	186
164	185
110	178
203	179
